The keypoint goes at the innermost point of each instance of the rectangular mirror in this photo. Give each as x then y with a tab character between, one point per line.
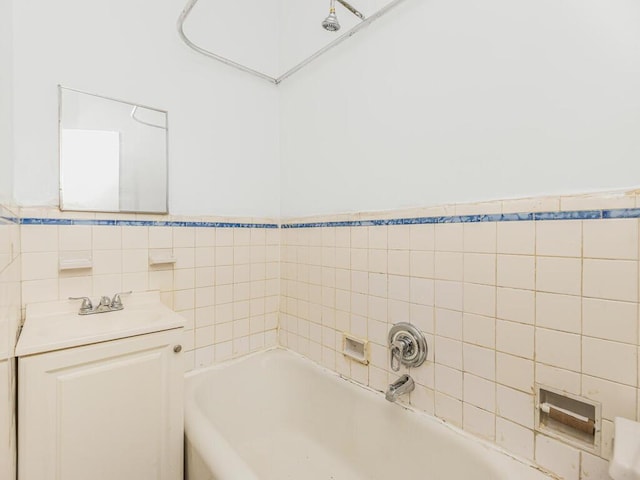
113	154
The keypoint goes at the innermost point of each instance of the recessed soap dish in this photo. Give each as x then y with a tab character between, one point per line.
355	348
75	261
162	259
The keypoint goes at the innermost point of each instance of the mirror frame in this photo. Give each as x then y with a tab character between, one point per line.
166	126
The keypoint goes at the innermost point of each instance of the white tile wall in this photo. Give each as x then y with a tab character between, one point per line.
504	306
225	281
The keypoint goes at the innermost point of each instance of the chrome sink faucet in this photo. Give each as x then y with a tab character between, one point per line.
404	384
105	305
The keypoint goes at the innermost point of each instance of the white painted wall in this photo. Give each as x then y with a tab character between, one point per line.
223	131
6	110
452	101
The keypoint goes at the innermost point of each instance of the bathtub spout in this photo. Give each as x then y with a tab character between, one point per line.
403	385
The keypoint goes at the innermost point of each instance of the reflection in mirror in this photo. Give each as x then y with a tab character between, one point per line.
113	154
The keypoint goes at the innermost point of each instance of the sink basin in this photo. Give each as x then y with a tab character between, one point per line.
56	325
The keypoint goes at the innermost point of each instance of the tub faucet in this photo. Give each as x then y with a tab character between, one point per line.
404	384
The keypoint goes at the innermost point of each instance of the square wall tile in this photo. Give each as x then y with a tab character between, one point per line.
479	361
449	237
479	421
38	238
204	357
559	275
448	408
421	237
135	237
593	467
516	305
514	372
479	330
561	238
558	312
611	279
610	320
421	264
378	237
205	237
516	271
448	295
479	392
558	378
39	265
479	299
480	237
74	237
106	237
75	287
557	457
514	338
448	323
614	361
399	237
516	238
422	291
611	238
515	438
399	287
515	406
448	381
135	260
617	400
448	352
107	262
558	349
107	283
160	237
448	266
422	398
398	262
480	268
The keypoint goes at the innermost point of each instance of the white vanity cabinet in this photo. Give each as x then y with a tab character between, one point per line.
103	411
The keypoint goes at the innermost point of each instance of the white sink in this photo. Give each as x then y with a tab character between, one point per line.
57	325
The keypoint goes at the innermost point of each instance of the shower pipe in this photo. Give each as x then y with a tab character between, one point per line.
275	80
351	8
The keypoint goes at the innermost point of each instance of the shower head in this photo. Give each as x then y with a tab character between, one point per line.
331	23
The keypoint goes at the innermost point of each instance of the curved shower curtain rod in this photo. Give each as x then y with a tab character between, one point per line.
275	80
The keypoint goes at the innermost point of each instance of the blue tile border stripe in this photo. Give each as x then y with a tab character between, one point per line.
494	217
9	220
482	218
141	223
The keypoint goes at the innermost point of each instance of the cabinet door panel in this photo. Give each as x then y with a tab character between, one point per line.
104	411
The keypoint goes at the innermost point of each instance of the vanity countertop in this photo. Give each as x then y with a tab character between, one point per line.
56	325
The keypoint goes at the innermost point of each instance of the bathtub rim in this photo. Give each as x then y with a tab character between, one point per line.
236	463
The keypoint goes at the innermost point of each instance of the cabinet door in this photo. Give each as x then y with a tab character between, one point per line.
106	411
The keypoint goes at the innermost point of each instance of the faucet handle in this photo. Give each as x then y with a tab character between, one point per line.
104	301
117	301
86	306
398	348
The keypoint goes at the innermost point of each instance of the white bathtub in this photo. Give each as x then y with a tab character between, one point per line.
278	416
